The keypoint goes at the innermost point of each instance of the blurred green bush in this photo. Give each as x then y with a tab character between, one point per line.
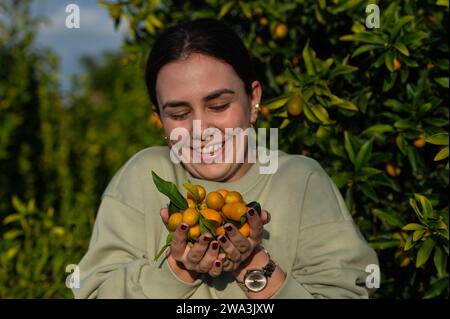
371	105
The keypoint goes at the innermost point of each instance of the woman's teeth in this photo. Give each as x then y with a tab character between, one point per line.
211	148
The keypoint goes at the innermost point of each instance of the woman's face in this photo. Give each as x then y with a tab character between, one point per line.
206	89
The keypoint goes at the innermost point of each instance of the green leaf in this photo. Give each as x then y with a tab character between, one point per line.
347	105
342	69
18	205
390	218
402	48
309	114
193	191
442	154
409	243
404	124
341	179
378	128
225	8
369	191
389	60
285	123
413	226
246	9
11	219
395	105
440	261
442	82
366	172
321	113
172	208
364	48
437	287
399	24
412	37
170	190
278	102
414	206
309	58
203	228
370	37
389	82
424	252
438	139
418	234
411	153
364	155
401	143
427	208
211	225
349	147
436	121
12	234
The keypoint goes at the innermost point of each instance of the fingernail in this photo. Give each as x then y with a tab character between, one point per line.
183	227
223	239
215	246
207	238
217	263
251	211
228	228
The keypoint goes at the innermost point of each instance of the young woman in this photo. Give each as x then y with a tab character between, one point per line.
310	248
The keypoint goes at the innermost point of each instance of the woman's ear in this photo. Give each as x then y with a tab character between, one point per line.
255	100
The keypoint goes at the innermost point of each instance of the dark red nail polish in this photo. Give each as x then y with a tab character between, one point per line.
217	263
207	238
223	239
215	246
183	227
251	211
228	228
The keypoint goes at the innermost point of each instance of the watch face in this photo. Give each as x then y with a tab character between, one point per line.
255	280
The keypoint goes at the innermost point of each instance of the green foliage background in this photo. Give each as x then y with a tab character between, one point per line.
367	96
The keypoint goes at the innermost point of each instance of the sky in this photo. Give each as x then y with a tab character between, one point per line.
96	33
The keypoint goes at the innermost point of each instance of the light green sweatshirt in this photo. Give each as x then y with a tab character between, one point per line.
311	234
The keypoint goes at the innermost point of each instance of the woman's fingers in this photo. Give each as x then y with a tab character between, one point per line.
239	241
233	254
207	262
216	269
265	216
179	240
256	226
197	251
164	213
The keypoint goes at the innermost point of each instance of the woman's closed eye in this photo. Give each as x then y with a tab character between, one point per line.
179	116
219	108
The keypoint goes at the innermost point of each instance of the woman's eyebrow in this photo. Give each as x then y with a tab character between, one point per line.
174	104
217	93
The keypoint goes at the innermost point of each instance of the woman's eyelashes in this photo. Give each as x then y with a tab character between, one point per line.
179	117
220	108
183	115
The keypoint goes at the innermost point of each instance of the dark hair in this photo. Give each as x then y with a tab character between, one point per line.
207	36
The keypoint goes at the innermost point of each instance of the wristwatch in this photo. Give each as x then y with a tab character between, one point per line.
255	280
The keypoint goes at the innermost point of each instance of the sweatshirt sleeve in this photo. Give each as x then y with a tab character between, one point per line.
331	255
116	264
